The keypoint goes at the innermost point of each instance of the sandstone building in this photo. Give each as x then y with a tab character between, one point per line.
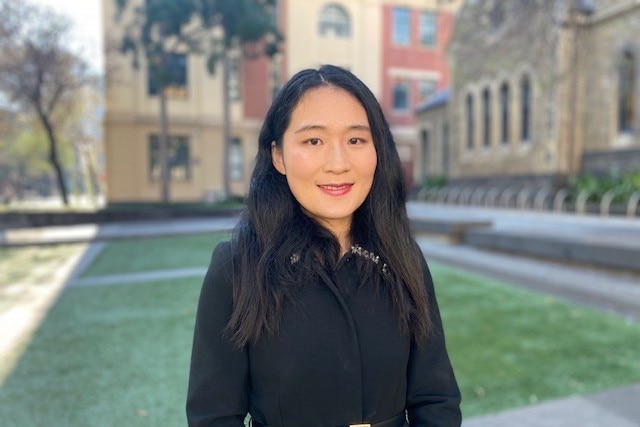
540	90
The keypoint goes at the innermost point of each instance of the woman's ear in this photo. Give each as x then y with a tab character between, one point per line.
276	158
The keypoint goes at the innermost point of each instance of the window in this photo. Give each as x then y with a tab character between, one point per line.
234	79
174	73
236	163
626	89
497	15
401	96
470	123
401	26
445	148
504	107
525	109
424	138
426	88
334	22
486	114
177	158
428	29
275	65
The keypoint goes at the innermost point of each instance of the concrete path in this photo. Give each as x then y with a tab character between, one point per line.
619	407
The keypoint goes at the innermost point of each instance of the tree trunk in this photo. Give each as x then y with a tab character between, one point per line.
226	124
53	155
163	148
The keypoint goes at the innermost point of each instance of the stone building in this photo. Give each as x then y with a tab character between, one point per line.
397	47
540	91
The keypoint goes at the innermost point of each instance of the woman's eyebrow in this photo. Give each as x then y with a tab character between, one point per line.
310	127
357	127
363	128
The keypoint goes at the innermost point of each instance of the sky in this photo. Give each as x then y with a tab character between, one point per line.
86	16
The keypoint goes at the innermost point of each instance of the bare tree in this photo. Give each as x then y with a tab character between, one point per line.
38	71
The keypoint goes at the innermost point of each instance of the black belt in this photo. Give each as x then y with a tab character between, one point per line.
397	421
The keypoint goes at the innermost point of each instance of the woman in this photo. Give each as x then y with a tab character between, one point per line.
321	311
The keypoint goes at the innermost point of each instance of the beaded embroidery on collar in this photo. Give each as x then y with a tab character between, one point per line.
356	250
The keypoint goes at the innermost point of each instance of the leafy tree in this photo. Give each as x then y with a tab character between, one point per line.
159	29
248	26
38	72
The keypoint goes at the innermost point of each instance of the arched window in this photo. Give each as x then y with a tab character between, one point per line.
504	107
486	115
334	22
470	122
626	89
525	109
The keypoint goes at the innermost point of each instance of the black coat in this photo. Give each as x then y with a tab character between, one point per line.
339	358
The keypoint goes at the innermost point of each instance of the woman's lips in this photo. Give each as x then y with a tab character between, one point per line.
335	189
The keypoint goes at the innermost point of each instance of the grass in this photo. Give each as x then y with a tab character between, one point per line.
157	253
511	347
118	355
107	356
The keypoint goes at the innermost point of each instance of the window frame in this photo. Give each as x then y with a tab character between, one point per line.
178	77
153	157
431	32
525	109
627	81
487	130
470	116
334	21
505	113
401	38
407	91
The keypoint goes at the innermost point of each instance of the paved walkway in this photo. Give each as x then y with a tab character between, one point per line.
603	289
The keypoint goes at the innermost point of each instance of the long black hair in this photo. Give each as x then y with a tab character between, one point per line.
276	243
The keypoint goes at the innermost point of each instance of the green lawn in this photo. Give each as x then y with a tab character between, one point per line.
118	355
107	356
157	253
511	347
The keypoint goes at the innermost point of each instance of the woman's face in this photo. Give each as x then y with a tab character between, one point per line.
328	156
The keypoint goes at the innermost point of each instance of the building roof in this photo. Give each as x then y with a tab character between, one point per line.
438	99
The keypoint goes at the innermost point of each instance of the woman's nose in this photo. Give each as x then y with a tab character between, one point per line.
336	159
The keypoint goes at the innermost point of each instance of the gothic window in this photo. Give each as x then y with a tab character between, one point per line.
626	90
486	116
334	22
504	107
497	15
525	109
470	122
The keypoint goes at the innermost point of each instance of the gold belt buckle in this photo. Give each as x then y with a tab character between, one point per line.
359	425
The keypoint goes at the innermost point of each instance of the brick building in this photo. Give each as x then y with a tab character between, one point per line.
397	47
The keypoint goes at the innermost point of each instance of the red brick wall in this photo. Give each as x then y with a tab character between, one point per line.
255	87
413	56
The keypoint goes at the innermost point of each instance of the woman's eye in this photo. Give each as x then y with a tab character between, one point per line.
313	141
356	140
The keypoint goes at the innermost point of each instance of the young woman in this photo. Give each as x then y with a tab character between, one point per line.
321	311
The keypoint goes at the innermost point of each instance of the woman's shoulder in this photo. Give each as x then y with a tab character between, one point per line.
220	271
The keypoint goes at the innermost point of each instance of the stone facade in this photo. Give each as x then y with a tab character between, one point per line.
570	57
